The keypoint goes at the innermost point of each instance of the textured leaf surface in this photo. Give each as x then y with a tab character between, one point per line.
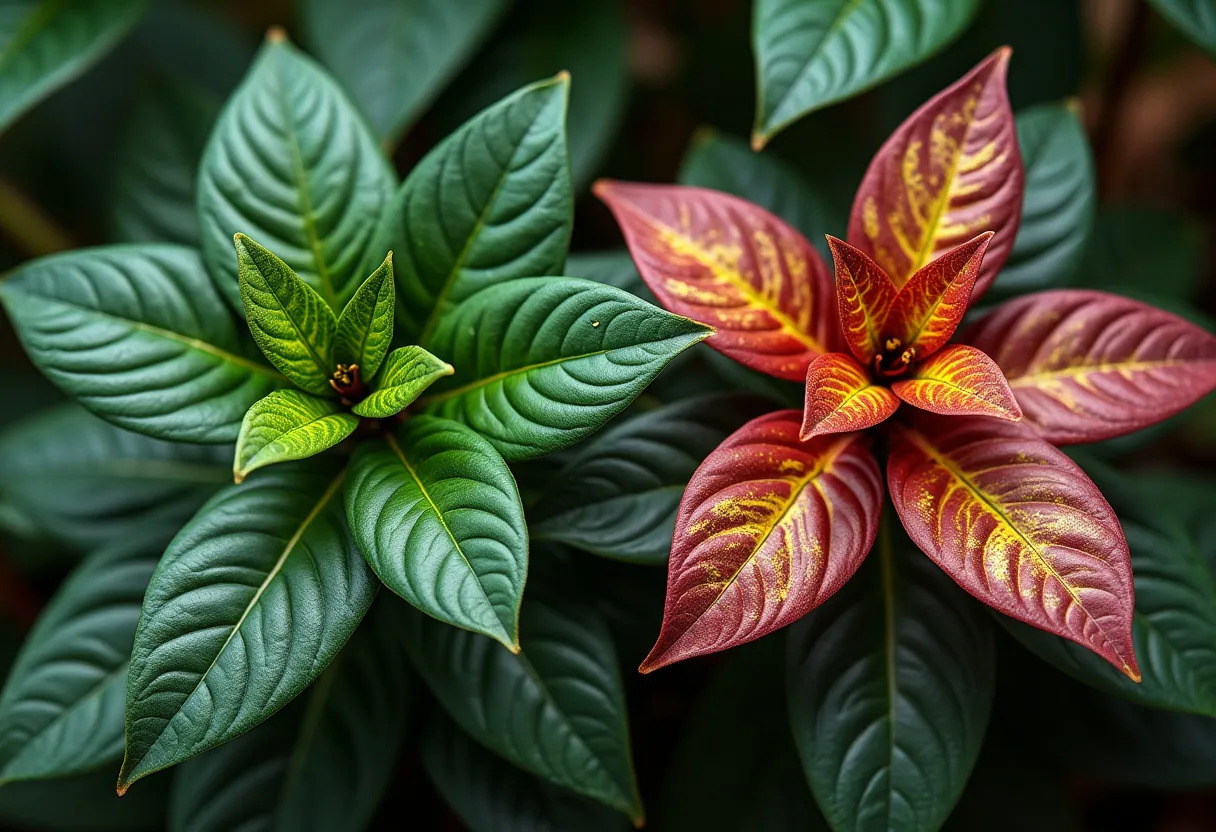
1194	18
959	381
1019	526
769	527
138	335
437	514
288	425
864	297
890	685
248	606
492	202
951	171
407	373
365	327
557	709
811	53
1088	365
733	266
541	363
618	495
840	397
291	164
931	304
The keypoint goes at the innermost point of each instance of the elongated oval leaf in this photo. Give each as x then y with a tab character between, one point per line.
864	297
769	527
541	363
289	425
138	336
959	381
250	603
437	514
291	164
890	685
365	328
931	304
812	53
1194	18
1018	525
1088	365
557	709
407	373
840	397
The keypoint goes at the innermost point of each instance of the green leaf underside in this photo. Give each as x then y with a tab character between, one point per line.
290	321
138	335
61	709
437	514
407	373
365	327
492	202
289	425
557	709
248	606
292	164
324	762
541	363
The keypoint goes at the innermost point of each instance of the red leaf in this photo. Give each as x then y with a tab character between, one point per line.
864	295
769	527
734	266
1089	365
1018	525
959	381
949	172
931	304
840	397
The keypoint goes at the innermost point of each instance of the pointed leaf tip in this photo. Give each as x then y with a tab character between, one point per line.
276	34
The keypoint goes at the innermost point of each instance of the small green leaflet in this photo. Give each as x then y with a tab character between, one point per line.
365	327
407	372
288	425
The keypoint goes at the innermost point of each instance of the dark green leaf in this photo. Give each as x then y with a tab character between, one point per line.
1138	249
1194	18
541	363
613	267
407	373
138	335
436	513
365	327
289	425
250	603
82	804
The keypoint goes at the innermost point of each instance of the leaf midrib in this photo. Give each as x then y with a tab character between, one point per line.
1081	370
426	401
847	7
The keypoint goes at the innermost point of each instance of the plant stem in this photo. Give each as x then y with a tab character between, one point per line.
27	225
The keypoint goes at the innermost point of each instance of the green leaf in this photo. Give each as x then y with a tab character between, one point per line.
250	603
618	495
291	163
394	56
324	762
436	513
87	483
365	327
812	53
1194	18
138	335
541	363
408	372
62	705
1058	205
290	321
556	709
890	685
44	44
1140	249
82	804
289	425
490	203
614	267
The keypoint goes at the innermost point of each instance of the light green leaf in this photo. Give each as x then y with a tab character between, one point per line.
44	44
249	605
289	425
541	363
365	327
139	336
437	514
1194	18
812	53
557	709
394	56
290	321
490	203
408	372
291	163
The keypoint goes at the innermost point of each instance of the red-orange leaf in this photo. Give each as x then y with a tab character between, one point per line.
949	172
840	397
931	304
959	381
864	295
769	527
1088	365
734	266
1018	525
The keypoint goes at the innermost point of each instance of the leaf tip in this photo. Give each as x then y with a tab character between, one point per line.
602	188
276	34
759	140
563	77
639	820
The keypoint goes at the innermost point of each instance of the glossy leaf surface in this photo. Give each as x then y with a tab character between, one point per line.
138	336
1194	18
733	266
840	397
365	327
1088	365
864	297
769	527
407	373
931	304
289	425
959	381
437	514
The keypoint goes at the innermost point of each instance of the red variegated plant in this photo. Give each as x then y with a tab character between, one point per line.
781	515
